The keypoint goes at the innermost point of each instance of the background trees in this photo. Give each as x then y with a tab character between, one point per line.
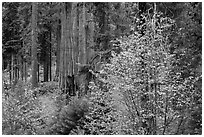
136	62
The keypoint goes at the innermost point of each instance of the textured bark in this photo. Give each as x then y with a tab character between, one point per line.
45	68
62	48
66	74
75	43
34	45
21	68
58	49
12	68
84	40
38	72
50	53
25	71
76	37
81	43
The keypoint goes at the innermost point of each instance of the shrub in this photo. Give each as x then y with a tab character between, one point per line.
68	116
20	113
99	119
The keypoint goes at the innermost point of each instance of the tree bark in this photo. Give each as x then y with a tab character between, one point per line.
21	68
25	71
75	44
70	57
84	26
34	45
58	49
38	72
45	71
50	52
62	48
76	38
81	42
12	68
66	49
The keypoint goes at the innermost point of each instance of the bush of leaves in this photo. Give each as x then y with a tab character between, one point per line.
100	117
68	117
20	113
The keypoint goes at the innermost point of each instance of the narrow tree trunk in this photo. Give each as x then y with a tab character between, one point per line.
25	70
16	68
38	72
58	49
10	72
12	68
50	53
66	48
155	81
45	69
84	26
21	68
155	110
75	44
80	59
92	44
84	38
34	45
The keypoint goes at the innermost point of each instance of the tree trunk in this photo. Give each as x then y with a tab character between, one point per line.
81	42
75	49
38	72
75	37
25	71
21	67
10	72
70	60
50	53
65	49
15	69
45	69
62	48
12	68
58	49
34	44
84	41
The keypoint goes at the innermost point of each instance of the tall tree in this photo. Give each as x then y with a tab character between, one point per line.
58	39
66	61
34	44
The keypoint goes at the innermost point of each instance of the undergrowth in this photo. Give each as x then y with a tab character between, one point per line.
41	111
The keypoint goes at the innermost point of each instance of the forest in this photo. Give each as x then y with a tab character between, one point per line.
101	68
